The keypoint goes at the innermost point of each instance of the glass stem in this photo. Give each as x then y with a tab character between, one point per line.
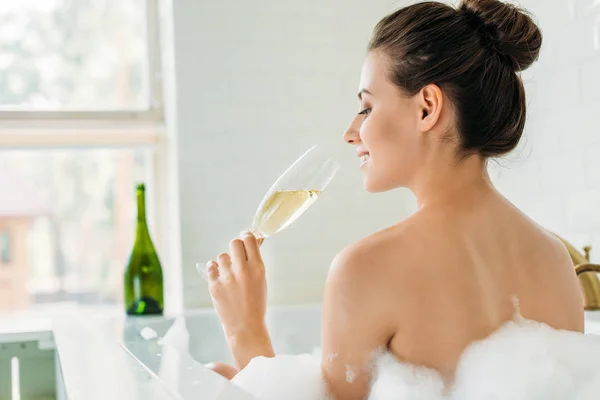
259	237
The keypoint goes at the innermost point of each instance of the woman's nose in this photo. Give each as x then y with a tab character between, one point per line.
351	136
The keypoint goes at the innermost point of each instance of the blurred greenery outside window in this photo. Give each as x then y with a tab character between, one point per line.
81	118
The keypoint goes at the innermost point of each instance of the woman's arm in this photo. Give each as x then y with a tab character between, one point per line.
356	323
238	288
249	344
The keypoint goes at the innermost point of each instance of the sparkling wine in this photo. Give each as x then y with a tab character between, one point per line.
280	208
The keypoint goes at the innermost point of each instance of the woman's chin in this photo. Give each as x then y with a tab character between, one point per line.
372	187
377	185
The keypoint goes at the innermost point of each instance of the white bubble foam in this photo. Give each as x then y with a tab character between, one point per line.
351	374
287	377
529	360
396	380
524	360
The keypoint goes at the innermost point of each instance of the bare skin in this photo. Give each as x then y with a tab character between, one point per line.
428	286
225	370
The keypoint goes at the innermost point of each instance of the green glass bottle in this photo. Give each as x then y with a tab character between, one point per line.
143	280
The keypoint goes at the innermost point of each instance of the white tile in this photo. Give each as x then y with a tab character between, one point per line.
559	90
594	242
550	14
518	180
584	8
590	83
542	132
580	127
563	174
571	130
592	165
548	211
583	213
573	43
596	32
532	90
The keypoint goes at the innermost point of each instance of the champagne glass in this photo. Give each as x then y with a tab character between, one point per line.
292	193
295	190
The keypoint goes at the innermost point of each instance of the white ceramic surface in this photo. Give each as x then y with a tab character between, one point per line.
102	356
108	359
113	357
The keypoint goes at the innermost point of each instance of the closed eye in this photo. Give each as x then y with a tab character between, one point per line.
365	112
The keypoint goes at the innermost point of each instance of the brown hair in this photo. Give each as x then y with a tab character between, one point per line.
473	53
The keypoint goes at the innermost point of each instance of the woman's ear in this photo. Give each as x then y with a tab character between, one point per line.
430	106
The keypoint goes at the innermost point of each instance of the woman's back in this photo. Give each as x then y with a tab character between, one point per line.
451	274
474	263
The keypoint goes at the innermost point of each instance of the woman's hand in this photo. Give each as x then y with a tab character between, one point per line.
238	288
226	371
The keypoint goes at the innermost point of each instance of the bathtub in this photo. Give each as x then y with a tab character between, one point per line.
176	349
293	329
145	358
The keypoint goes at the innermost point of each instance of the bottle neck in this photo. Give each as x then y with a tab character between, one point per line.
142	228
141	207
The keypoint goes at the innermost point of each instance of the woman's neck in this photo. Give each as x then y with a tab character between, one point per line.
449	181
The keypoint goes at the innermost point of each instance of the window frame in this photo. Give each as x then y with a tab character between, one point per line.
135	128
153	114
6	234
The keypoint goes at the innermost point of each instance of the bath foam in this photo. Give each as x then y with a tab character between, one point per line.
523	360
289	377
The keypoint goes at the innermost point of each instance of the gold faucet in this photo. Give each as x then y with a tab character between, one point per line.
587	273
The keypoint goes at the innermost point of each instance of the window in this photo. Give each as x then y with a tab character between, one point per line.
81	112
74	54
5	248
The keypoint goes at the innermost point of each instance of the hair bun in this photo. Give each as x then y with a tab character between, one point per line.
511	29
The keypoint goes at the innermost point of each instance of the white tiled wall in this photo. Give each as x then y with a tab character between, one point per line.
555	175
258	82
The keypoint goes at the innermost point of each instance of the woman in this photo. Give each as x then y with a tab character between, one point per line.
440	94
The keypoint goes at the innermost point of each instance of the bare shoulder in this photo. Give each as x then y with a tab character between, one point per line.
361	304
547	245
556	247
552	267
369	285
382	261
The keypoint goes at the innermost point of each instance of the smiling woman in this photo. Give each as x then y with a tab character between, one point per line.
440	94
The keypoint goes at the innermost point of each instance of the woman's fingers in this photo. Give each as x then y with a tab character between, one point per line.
238	252
251	245
224	265
212	271
238	287
241	252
